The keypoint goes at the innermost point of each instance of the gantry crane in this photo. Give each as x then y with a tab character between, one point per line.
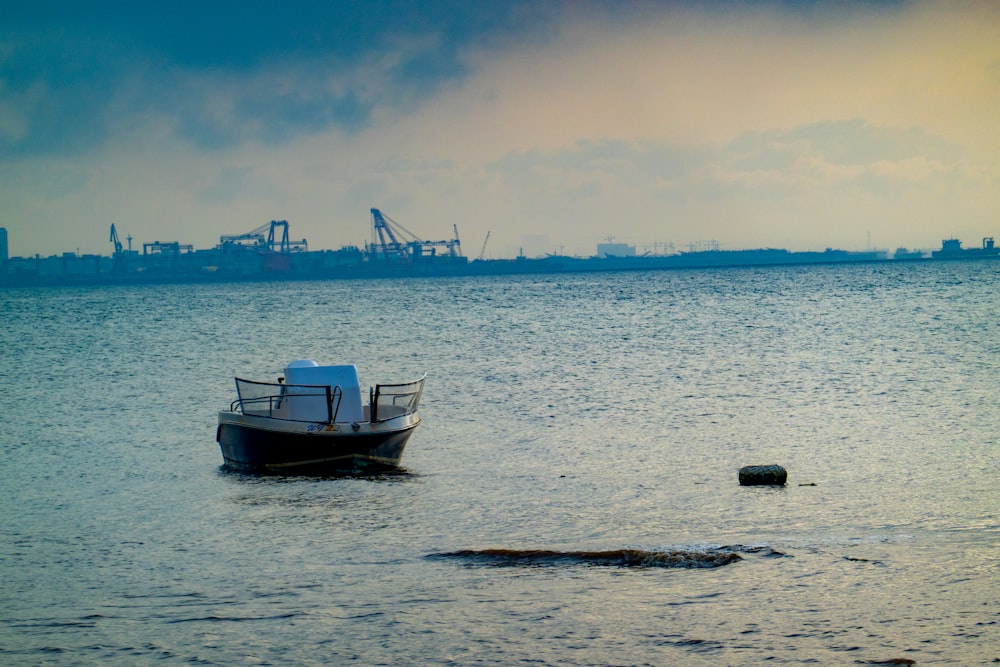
393	242
256	238
171	248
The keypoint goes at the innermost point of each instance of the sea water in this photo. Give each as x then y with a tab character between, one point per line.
571	497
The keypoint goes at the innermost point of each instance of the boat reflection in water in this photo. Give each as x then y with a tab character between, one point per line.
312	421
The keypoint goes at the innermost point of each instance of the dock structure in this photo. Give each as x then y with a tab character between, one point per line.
267	253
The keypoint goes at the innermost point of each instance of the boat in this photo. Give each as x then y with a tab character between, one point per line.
952	249
312	422
907	254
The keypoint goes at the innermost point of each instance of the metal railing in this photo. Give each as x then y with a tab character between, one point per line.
276	401
395	400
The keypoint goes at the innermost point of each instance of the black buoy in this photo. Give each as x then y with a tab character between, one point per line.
773	475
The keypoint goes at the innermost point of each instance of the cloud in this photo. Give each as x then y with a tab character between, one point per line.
225	73
791	124
769	164
835	154
228	185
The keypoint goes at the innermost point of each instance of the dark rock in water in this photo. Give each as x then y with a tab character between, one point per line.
773	475
678	558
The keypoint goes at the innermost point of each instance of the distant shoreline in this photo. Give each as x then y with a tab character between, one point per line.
206	267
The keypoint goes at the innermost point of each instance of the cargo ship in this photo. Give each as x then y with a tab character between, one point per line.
952	249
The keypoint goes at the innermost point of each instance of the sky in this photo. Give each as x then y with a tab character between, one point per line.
551	126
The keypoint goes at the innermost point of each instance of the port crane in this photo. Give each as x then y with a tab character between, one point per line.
270	242
119	255
393	241
117	241
482	253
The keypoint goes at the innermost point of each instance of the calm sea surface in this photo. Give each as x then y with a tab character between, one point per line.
563	416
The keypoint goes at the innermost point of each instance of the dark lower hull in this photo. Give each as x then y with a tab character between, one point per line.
275	452
970	253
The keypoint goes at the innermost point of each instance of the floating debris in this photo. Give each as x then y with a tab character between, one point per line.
863	560
771	475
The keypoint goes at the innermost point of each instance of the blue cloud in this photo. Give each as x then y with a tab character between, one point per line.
70	71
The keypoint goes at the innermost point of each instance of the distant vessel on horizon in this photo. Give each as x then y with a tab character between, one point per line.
952	249
907	254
